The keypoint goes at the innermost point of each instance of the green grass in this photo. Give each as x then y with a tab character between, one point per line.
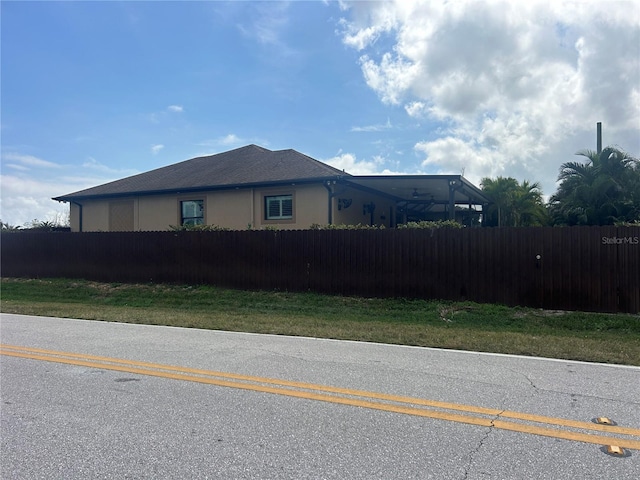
459	325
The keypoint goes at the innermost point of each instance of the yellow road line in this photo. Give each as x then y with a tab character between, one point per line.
319	392
345	391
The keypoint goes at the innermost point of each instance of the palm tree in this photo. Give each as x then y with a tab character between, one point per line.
529	205
513	204
7	227
602	191
501	192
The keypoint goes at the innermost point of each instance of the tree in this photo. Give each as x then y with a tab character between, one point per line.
8	228
513	204
604	190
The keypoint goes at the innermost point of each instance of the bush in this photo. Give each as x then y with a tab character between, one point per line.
431	224
359	226
198	228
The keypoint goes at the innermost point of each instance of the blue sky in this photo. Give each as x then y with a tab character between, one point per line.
96	91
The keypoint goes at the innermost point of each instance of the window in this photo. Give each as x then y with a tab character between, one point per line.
192	212
278	207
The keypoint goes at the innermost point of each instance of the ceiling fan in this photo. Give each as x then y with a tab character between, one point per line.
416	194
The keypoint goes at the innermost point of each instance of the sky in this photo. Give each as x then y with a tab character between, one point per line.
96	91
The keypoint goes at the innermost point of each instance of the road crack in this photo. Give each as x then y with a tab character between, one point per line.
480	444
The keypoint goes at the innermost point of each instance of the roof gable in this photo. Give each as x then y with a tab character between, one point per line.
249	165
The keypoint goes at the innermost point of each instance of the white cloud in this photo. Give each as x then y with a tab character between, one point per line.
14	166
373	128
26	194
163	115
155	149
94	165
350	164
367	24
25	199
29	161
230	139
452	155
391	78
266	23
416	109
510	88
153	117
226	142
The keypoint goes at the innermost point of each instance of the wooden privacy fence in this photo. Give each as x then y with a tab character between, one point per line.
570	268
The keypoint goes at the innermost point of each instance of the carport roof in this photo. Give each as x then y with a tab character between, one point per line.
421	188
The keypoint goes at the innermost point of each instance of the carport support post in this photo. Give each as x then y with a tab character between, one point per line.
452	204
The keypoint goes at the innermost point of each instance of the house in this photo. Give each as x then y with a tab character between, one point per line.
253	187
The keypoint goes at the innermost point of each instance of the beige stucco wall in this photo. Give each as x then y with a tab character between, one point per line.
156	212
229	208
74	217
353	215
310	205
95	216
235	209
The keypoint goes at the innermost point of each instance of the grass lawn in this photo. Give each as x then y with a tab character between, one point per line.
459	325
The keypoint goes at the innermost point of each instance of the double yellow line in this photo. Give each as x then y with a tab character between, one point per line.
485	417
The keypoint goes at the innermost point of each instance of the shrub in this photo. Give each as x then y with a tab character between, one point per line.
431	224
198	228
359	226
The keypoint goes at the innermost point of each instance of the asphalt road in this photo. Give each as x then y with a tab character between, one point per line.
83	399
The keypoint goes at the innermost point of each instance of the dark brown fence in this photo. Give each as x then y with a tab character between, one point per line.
574	268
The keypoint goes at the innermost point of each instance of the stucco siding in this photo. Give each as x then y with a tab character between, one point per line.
95	216
74	217
310	206
356	213
230	209
157	212
234	209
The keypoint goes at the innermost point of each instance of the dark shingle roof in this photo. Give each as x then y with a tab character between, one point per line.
249	165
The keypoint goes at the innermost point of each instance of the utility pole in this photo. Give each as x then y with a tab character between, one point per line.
599	137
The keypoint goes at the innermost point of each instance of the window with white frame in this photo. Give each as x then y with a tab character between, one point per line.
192	212
278	207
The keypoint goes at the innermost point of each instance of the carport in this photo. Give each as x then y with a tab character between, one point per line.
425	197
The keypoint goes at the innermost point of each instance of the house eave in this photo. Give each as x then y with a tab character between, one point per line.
204	188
